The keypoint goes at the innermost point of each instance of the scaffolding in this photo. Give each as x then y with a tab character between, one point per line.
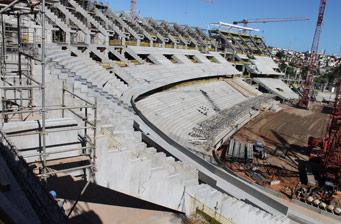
20	47
16	73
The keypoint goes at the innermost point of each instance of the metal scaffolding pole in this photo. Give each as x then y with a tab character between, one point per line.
9	6
17	80
10	9
16	76
43	105
19	60
3	49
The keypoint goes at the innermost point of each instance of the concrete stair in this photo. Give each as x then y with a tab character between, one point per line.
87	72
135	25
125	26
134	55
61	24
145	173
109	23
176	112
124	162
75	20
226	209
151	29
91	20
163	32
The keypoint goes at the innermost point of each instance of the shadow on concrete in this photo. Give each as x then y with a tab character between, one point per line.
85	217
69	189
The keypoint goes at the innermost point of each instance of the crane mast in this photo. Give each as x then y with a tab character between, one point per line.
133	7
304	100
331	151
330	154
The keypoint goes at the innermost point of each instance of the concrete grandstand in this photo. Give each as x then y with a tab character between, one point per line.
252	57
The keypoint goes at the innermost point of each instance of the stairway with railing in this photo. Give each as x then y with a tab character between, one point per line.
124	27
68	14
159	40
111	25
54	19
147	39
90	19
157	26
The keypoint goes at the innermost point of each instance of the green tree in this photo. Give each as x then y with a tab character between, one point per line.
330	76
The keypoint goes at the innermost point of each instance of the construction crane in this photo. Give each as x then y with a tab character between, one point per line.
332	144
245	22
330	154
304	99
133	7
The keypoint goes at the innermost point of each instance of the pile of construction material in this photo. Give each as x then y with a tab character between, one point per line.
239	152
326	198
232	118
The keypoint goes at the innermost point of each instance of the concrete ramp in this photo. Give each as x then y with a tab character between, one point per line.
265	66
243	87
277	87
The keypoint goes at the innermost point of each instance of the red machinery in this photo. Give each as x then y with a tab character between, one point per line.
332	146
330	154
304	100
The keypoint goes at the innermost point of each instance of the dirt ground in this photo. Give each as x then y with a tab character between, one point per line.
288	128
285	136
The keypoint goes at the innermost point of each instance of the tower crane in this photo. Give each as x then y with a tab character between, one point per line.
304	99
330	153
245	22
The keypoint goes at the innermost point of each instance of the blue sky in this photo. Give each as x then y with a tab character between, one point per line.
293	35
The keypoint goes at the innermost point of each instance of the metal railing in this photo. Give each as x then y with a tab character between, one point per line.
87	134
19	48
17	54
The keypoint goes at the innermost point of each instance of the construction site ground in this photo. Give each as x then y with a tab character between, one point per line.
284	135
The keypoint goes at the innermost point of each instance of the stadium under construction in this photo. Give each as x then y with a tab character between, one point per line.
111	117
